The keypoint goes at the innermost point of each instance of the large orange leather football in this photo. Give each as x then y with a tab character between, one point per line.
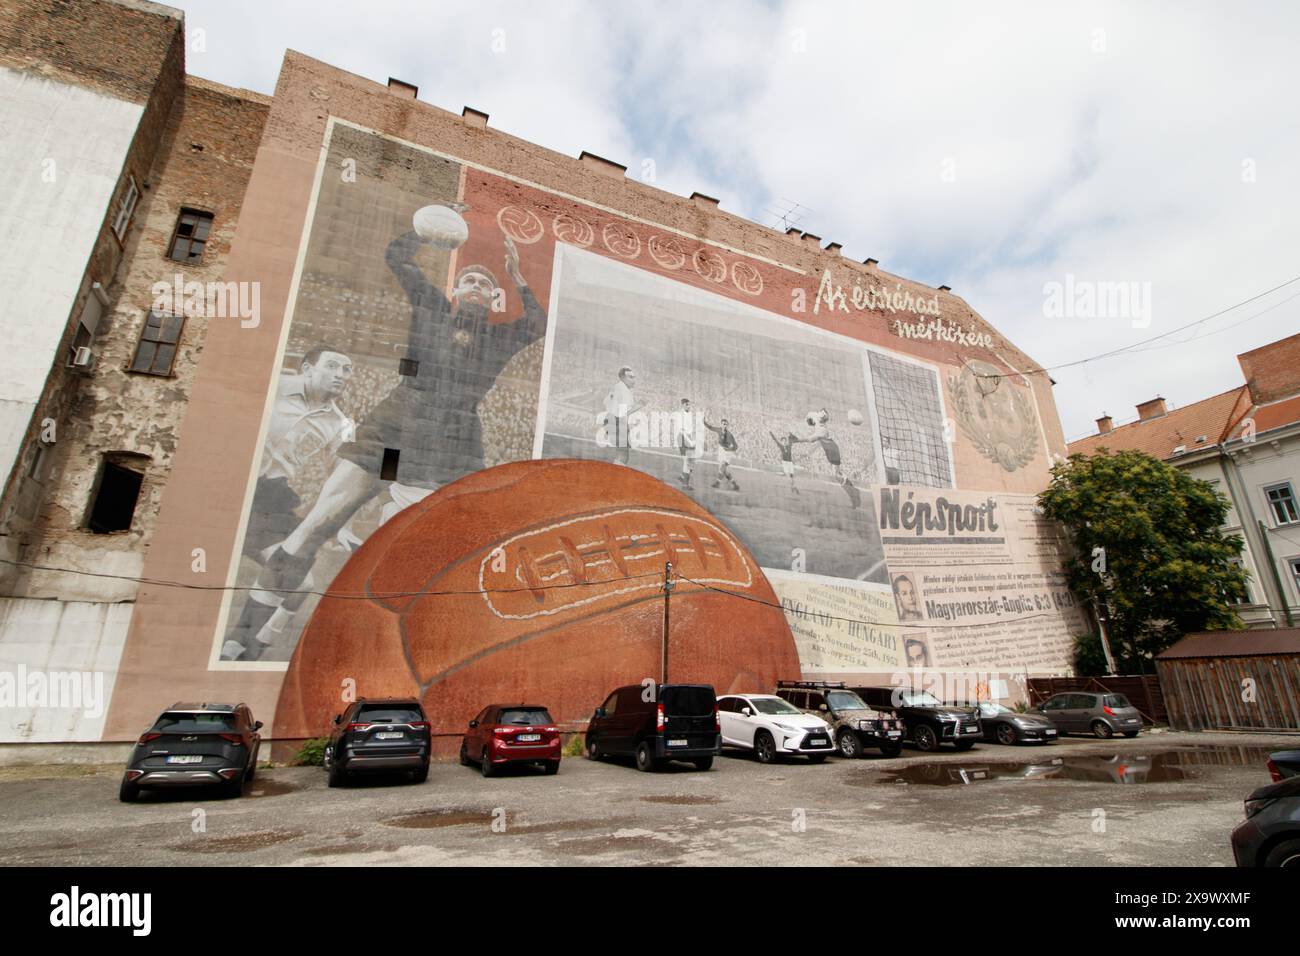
538	582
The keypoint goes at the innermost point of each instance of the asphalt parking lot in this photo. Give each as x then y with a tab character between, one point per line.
1163	799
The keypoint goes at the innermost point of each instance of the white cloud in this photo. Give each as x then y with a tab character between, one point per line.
1112	164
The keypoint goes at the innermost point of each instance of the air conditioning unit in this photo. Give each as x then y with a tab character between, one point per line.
82	357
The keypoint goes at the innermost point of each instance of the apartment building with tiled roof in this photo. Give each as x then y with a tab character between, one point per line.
1246	442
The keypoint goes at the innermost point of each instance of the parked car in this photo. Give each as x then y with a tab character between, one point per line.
928	722
1270	834
195	745
504	734
657	722
1103	715
1007	726
769	726
855	725
378	735
1283	764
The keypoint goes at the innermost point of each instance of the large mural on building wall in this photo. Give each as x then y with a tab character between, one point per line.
447	319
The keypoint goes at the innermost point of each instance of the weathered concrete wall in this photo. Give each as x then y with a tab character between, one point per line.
204	160
58	665
64	148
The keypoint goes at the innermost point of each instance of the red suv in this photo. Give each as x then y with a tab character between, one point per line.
511	733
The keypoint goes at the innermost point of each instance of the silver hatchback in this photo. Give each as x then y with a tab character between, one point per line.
1086	712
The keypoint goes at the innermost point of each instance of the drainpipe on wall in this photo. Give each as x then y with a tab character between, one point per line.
1277	578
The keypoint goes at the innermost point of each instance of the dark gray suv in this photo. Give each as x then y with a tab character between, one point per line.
195	745
1089	712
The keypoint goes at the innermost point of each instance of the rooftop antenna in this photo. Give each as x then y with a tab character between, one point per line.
786	213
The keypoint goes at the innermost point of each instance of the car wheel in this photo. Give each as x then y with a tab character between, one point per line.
593	752
1006	734
644	758
1131	733
337	775
128	792
764	747
1286	854
816	758
485	765
1102	730
552	767
891	748
702	763
850	746
925	738
421	775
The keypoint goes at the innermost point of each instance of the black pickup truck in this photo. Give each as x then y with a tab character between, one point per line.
929	722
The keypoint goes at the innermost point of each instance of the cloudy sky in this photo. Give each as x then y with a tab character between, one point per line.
994	148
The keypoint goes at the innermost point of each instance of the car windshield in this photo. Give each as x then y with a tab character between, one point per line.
773	705
178	723
919	699
688	701
525	716
387	715
1117	700
845	700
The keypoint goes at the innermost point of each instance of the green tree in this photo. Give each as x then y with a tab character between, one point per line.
1150	552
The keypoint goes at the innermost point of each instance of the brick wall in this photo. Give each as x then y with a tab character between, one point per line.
1272	371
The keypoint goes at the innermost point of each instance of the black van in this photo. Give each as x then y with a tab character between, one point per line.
657	722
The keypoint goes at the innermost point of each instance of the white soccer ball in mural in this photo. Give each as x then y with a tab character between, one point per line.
440	226
854	416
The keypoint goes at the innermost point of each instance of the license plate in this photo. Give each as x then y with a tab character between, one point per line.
818	742
972	730
1049	733
895	733
1131	720
389	735
185	758
676	743
528	738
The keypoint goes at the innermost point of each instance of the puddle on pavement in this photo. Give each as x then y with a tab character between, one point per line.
268	788
1162	767
238	844
683	800
451	817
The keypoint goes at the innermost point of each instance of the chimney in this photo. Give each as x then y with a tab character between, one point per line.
871	263
1272	371
945	288
474	117
602	165
402	88
834	248
708	202
814	241
1152	409
794	232
1105	424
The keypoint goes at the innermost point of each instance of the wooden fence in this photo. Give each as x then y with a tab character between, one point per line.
1232	693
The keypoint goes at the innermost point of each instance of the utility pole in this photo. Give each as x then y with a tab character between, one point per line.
668	590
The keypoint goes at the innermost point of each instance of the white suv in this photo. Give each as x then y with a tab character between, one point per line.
768	725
